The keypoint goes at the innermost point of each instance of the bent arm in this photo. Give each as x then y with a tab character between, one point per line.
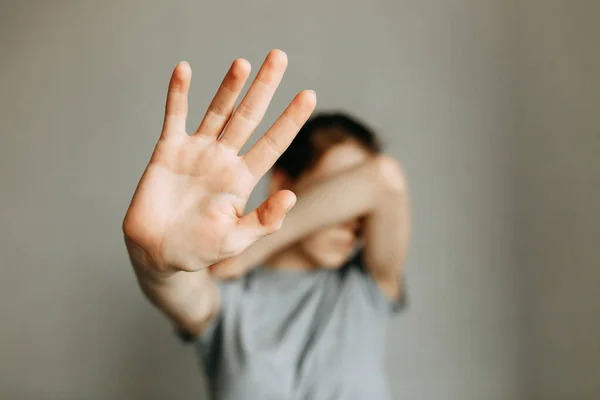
354	193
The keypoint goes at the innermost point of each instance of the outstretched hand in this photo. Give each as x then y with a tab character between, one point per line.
188	209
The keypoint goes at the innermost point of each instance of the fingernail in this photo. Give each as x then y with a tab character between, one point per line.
290	205
183	62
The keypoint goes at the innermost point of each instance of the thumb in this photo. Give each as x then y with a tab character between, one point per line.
268	217
264	220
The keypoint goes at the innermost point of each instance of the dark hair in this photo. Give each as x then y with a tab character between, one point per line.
318	135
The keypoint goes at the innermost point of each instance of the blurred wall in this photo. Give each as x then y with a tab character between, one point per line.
558	152
83	87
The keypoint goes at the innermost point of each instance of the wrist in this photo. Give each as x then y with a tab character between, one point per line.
145	266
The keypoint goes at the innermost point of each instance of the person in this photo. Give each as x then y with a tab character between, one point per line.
291	300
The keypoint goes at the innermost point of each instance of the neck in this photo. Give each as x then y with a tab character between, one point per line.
292	259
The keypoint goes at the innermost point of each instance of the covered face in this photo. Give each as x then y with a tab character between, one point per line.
332	245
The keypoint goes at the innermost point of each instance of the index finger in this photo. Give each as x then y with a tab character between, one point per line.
261	157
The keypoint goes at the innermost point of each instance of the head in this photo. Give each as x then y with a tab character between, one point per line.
326	145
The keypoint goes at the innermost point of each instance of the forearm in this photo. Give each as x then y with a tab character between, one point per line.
188	299
349	195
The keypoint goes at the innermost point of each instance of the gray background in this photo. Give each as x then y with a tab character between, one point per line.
492	106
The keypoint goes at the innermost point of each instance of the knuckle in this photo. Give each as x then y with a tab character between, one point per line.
218	109
272	145
246	112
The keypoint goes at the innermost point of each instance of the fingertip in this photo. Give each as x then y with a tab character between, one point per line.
306	100
311	95
183	69
241	63
290	200
240	68
278	55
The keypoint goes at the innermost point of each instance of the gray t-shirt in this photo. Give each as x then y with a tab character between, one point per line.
299	336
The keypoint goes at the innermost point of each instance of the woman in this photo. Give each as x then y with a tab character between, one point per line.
300	313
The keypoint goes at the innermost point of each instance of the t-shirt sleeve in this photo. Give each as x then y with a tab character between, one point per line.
356	266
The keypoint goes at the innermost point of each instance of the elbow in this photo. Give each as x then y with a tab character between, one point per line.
195	321
390	174
193	328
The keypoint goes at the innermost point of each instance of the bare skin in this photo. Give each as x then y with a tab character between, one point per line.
188	209
347	190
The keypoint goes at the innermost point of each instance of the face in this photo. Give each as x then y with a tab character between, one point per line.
331	246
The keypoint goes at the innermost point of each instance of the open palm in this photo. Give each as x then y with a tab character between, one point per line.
188	209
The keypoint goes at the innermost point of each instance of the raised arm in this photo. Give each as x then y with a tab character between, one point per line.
188	209
361	191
